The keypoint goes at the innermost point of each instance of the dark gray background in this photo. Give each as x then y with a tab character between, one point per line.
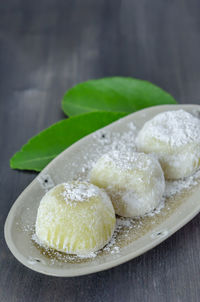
46	47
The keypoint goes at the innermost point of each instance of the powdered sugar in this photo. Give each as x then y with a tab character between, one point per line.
89	255
121	223
79	192
174	137
114	142
175	128
174	187
110	141
128	159
105	142
125	143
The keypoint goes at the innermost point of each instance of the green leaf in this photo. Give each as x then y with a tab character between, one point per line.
116	94
42	148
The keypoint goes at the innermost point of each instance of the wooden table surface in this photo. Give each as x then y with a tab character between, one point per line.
46	47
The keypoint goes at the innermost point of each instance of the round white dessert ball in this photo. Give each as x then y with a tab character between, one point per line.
75	218
134	181
174	137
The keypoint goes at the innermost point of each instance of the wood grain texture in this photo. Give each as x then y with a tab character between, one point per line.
46	47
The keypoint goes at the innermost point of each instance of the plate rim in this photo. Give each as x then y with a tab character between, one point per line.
103	266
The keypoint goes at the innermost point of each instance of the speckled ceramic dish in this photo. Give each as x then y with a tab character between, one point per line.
133	238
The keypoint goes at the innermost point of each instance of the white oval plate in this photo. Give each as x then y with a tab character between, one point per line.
67	166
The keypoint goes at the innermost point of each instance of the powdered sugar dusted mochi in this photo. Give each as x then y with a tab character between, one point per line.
134	181
75	218
174	137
